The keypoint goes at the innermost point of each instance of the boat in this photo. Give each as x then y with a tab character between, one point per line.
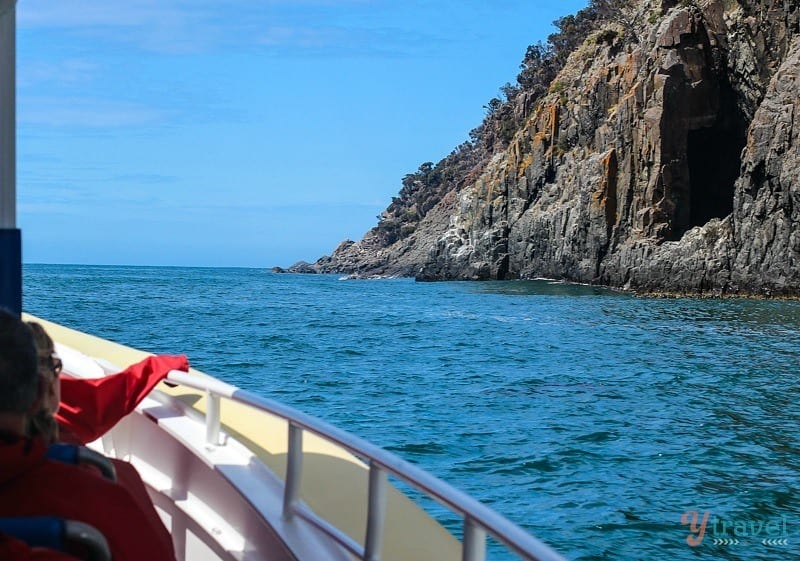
239	477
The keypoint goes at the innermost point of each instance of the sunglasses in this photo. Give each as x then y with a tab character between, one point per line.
56	364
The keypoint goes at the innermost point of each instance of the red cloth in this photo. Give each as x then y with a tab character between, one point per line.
91	407
12	549
31	485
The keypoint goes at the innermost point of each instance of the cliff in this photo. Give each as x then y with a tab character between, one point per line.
663	157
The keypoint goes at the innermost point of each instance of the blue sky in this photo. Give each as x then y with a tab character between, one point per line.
243	132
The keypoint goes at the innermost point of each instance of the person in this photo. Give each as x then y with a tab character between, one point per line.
32	485
12	549
42	422
85	409
94	406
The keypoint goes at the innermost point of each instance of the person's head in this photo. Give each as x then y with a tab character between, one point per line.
42	422
49	367
19	373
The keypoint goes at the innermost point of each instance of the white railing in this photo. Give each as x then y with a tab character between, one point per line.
479	520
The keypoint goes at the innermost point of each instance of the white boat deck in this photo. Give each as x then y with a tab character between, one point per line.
236	476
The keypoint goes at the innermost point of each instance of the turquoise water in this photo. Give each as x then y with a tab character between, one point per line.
595	420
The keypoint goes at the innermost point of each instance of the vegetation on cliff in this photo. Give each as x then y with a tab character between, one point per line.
505	114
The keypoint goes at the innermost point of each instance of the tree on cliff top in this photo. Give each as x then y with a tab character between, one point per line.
626	13
423	189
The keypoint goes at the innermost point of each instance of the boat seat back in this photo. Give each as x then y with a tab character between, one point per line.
77	455
50	532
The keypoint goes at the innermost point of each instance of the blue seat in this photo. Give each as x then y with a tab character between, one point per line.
54	533
73	454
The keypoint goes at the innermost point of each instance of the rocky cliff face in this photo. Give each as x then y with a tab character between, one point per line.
665	158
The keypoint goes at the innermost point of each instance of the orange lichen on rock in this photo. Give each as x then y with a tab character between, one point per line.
606	195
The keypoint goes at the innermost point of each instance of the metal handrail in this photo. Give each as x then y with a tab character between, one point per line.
479	520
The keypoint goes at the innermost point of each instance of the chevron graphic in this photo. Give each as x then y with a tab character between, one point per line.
769	541
726	541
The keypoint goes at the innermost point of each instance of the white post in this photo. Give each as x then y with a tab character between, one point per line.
8	114
294	471
376	512
473	546
213	418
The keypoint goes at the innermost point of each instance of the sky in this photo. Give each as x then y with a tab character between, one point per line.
243	133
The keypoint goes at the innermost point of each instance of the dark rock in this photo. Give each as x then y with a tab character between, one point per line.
665	164
303	267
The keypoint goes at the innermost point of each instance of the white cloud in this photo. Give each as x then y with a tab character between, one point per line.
63	72
188	26
162	26
169	13
91	13
87	113
324	40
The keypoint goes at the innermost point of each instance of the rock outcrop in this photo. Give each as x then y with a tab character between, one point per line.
665	158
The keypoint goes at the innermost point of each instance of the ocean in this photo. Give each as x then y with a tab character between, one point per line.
604	424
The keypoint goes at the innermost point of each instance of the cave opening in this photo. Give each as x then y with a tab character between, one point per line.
714	157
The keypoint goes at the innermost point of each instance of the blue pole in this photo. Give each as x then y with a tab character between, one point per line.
10	244
11	272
